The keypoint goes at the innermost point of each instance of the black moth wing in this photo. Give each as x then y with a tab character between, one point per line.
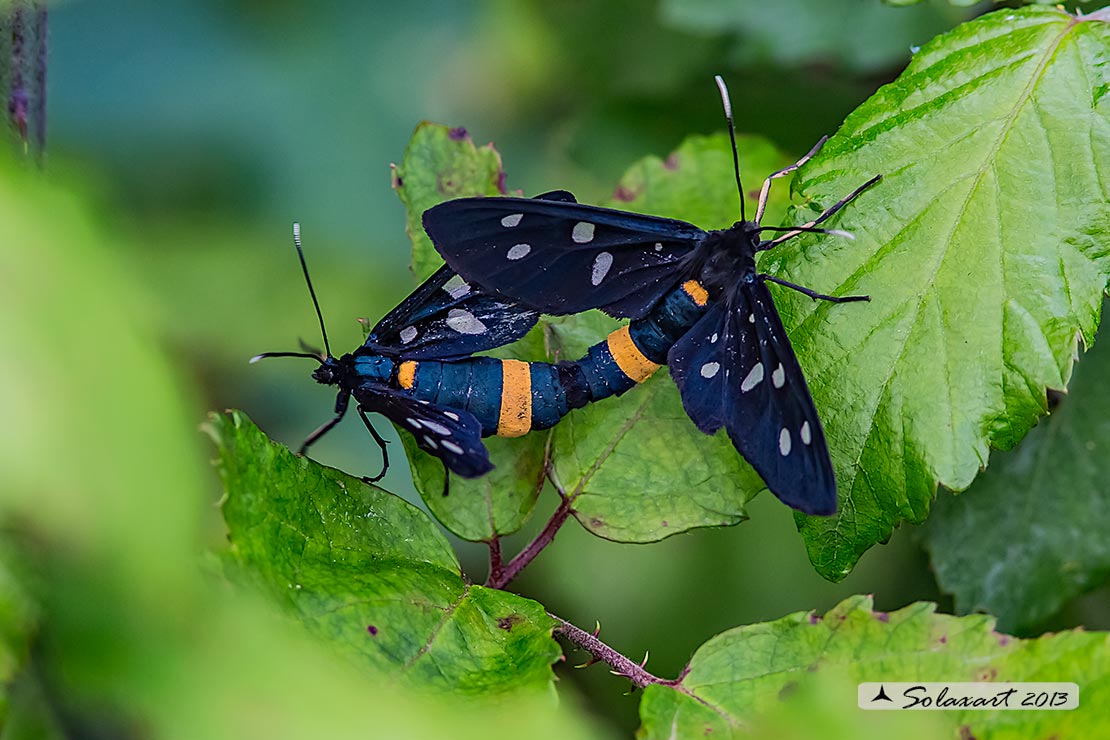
560	257
452	435
447	318
735	368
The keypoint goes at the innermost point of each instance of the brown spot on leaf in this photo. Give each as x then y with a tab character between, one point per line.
814	619
882	616
788	689
965	733
988	675
372	630
501	182
507	623
596	522
944	639
457	134
671	162
664	522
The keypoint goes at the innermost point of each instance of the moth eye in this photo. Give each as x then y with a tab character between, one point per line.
709	369
753	378
784	442
408	334
602	263
512	220
464	322
518	251
452	447
582	233
778	377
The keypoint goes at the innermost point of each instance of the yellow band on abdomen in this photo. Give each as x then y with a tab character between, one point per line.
695	290
516	399
406	374
629	358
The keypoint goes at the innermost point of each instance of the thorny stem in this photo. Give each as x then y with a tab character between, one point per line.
621	665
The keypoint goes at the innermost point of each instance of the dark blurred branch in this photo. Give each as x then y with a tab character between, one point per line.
23	71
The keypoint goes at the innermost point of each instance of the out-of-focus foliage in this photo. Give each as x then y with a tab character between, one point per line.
856	33
132	639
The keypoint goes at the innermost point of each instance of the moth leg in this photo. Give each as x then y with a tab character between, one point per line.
340	409
813	293
766	189
825	215
446	479
381	445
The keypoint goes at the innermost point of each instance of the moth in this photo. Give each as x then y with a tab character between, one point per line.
733	363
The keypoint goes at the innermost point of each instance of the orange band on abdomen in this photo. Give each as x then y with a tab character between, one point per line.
406	374
629	358
695	290
516	399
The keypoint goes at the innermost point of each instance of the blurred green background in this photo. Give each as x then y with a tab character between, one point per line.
208	127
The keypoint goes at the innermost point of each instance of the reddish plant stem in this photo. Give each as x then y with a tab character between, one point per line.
621	665
496	566
532	549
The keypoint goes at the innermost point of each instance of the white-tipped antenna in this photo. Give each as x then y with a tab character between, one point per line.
311	290
727	104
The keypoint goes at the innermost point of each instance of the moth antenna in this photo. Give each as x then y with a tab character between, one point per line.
727	105
311	290
264	355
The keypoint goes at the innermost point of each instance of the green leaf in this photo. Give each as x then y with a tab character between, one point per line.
442	163
984	249
1030	533
500	502
636	469
371	573
742	674
19	616
864	36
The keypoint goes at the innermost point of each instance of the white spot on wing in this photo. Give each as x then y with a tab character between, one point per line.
602	263
512	220
431	443
451	446
451	415
751	318
437	428
784	442
713	339
408	334
456	287
806	438
658	246
582	233
778	377
518	251
753	378
413	423
464	322
709	369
